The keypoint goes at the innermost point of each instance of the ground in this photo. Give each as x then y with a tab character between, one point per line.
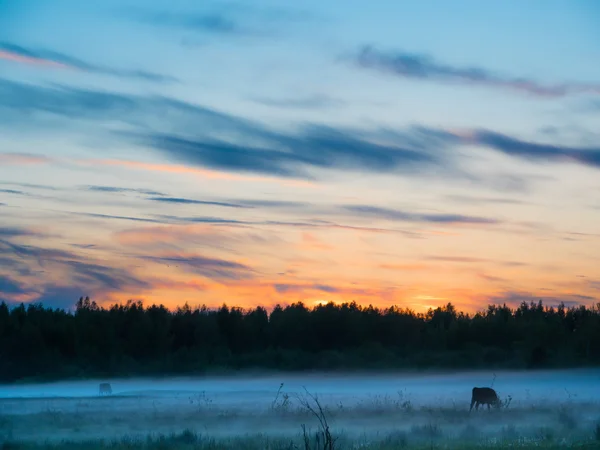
391	411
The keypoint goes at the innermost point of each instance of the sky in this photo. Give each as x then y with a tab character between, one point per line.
261	152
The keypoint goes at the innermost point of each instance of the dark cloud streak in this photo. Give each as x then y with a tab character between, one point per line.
194	135
421	67
187	201
62	60
114	189
404	216
213	268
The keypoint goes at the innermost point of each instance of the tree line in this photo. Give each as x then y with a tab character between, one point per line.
38	342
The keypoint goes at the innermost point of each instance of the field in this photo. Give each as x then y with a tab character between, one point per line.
540	410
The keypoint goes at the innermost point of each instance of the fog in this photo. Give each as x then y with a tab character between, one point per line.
363	406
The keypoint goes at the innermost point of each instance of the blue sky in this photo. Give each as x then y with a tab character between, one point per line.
387	152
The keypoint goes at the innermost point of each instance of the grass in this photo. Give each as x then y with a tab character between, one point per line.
189	440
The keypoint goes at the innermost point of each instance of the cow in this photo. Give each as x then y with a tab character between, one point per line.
483	396
104	388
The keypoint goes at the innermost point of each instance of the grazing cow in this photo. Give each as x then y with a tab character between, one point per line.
105	388
483	396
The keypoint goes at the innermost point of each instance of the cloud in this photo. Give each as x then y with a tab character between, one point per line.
31	185
115	189
405	216
274	203
187	201
86	273
31	252
458	259
52	59
310	224
78	274
474	260
310	102
239	204
192	135
484	200
115	217
9	286
13	192
22	159
291	155
216	23
224	19
533	151
202	219
11	232
404	267
421	67
213	268
284	288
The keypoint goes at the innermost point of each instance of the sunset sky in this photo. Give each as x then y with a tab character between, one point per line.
261	152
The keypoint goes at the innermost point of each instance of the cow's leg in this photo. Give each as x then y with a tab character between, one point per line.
472	403
489	406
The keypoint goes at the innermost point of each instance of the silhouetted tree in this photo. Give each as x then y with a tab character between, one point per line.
131	339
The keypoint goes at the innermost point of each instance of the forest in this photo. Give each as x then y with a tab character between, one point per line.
41	343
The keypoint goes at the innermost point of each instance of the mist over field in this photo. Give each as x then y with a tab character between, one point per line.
410	407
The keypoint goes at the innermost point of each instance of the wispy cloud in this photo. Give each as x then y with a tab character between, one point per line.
187	201
121	190
283	288
24	159
421	67
81	274
213	268
9	286
484	200
12	191
9	232
192	139
405	216
316	147
274	203
217	23
532	150
474	260
116	217
51	59
224	19
309	102
404	267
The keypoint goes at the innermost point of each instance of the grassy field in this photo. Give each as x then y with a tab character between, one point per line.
188	440
294	420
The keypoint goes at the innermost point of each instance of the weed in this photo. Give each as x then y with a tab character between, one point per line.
284	404
323	438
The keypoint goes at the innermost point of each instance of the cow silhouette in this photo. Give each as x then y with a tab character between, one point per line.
484	396
104	389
